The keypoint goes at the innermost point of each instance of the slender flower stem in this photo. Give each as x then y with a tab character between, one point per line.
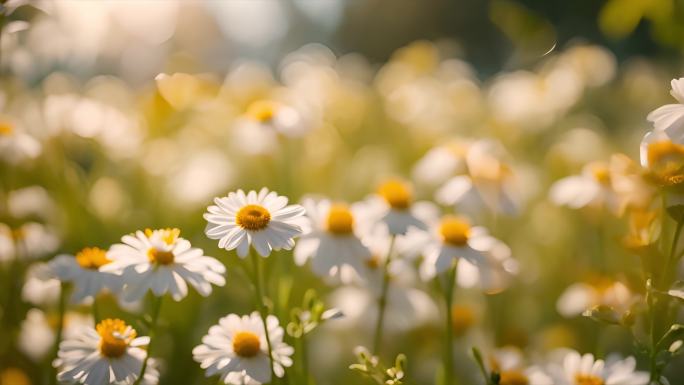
156	308
449	338
96	310
304	360
60	325
258	290
382	301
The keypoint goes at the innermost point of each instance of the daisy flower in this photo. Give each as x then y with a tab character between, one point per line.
108	354
582	296
510	364
393	205
38	331
83	270
454	240
442	162
663	158
333	244
261	220
15	144
31	240
592	188
579	369
162	261
487	183
237	350
669	119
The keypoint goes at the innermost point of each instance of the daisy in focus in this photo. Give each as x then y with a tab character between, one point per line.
163	262
237	350
261	220
333	244
393	205
83	270
577	369
111	353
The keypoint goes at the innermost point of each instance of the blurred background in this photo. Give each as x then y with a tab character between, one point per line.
99	146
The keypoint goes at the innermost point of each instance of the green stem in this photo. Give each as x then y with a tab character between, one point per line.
449	340
258	290
60	325
96	310
156	308
382	301
304	359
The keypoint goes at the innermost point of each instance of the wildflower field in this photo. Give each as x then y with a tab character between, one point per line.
329	192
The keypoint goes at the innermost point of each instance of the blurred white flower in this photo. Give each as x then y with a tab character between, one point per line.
31	200
111	353
582	296
585	369
15	144
163	262
31	240
237	350
393	205
592	188
40	288
333	244
262	220
510	364
82	270
442	162
38	331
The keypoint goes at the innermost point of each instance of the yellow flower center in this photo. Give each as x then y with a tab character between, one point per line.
462	319
92	258
246	344
262	111
340	220
396	193
588	379
666	162
115	336
513	377
6	128
14	376
160	257
253	217
373	262
168	235
454	230
18	234
601	173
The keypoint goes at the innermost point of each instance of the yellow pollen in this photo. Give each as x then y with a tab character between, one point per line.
666	162
115	336
588	379
454	230
340	220
513	377
262	111
92	258
169	235
160	257
396	193
18	234
253	217
246	344
462	319
6	128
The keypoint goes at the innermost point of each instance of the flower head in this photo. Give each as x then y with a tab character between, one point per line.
83	270
261	220
577	369
161	261
237	350
110	353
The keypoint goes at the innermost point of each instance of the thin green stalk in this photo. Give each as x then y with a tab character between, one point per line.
304	360
258	289
156	308
382	301
449	339
96	310
61	309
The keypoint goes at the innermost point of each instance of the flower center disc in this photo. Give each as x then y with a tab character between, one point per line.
262	111
455	231
588	379
462	319
253	217
340	220
513	377
601	173
666	161
396	193
115	336
92	258
246	344
160	257
6	129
